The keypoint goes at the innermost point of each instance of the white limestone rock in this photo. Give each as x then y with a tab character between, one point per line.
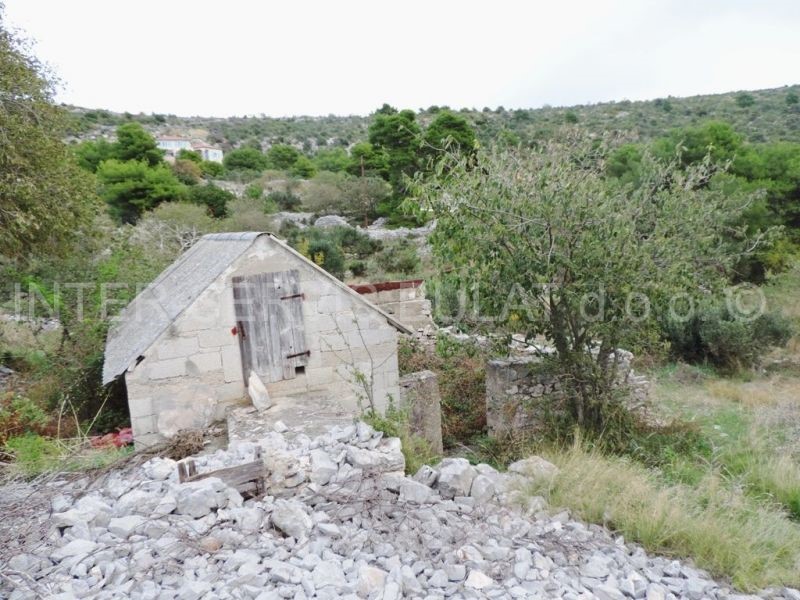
455	477
290	517
258	392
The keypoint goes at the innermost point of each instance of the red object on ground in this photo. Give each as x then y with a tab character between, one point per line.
123	437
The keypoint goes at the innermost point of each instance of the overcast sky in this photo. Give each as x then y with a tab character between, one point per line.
236	57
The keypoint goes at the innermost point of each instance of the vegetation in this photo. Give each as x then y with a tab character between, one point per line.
522	218
724	532
460	371
132	187
394	423
46	200
549	231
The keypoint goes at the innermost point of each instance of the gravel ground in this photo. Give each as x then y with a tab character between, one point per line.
341	521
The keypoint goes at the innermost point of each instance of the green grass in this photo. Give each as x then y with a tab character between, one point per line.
35	455
416	450
728	533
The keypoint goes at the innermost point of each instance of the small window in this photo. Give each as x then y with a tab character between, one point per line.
300	370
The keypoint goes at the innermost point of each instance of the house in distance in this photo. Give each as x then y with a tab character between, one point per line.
237	304
171	145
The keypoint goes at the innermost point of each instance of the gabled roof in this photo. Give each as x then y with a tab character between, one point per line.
140	324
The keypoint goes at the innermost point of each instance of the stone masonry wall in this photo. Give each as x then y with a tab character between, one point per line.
521	394
193	373
405	300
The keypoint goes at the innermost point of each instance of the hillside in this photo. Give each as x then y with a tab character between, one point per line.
762	115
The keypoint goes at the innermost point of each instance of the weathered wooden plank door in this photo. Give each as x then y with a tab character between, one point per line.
269	314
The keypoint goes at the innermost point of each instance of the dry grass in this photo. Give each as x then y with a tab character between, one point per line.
730	534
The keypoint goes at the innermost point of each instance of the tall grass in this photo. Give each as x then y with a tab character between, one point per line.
726	532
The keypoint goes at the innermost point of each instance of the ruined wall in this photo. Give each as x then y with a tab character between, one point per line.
404	300
522	395
419	394
193	372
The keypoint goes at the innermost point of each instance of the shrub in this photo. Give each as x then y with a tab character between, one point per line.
461	371
416	450
355	242
358	268
327	255
400	257
192	155
211	169
254	190
716	336
18	416
285	200
246	214
34	453
245	159
187	171
214	198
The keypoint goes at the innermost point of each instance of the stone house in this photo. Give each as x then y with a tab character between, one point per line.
172	145
242	303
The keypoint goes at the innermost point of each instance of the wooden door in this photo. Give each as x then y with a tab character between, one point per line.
269	315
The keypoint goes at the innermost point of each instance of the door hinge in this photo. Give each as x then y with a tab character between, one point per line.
301	295
306	353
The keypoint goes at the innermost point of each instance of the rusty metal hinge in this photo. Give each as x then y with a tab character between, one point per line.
301	295
306	353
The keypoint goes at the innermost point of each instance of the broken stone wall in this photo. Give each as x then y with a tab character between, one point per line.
522	394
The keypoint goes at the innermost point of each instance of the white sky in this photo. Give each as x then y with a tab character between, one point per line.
236	57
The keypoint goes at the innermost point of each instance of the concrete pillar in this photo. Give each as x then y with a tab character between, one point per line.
419	394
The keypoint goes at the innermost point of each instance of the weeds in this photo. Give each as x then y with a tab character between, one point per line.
724	531
394	423
35	455
461	372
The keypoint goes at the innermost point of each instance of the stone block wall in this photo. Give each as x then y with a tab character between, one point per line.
522	395
405	300
193	373
419	394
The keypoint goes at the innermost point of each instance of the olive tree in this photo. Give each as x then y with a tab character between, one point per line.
46	199
556	251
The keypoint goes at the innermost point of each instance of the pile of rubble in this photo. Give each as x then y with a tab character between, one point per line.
340	521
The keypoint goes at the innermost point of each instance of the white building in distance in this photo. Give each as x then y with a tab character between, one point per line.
172	145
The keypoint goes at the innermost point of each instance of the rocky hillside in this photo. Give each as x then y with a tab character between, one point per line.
762	115
340	521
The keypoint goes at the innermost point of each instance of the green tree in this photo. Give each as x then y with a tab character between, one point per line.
187	171
132	187
245	159
714	139
211	169
775	168
92	152
366	161
398	135
745	100
134	143
449	128
214	198
553	248
46	199
303	167
334	160
282	156
192	155
792	98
